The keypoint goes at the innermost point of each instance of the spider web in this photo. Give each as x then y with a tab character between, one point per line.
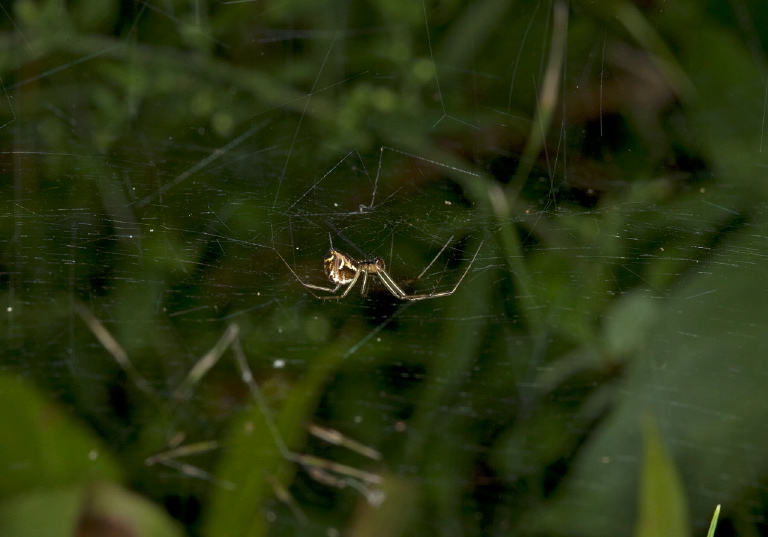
603	350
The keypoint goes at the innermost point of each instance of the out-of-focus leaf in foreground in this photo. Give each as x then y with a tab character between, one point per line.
42	446
701	369
702	375
55	475
98	509
663	509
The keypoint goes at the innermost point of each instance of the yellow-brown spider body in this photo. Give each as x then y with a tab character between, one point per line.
343	270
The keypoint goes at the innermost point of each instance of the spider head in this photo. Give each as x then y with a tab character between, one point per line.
339	267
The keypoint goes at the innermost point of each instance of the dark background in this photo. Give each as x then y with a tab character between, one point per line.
600	370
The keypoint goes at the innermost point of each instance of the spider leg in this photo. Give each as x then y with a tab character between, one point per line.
417	297
435	259
320	287
350	285
309	285
390	284
364	285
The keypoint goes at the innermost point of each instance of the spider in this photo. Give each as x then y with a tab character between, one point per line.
342	269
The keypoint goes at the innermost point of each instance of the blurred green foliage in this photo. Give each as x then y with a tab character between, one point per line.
606	159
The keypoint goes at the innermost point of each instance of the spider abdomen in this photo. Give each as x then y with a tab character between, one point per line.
340	268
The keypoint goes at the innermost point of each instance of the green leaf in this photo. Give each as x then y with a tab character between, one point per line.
255	468
713	525
42	447
20	515
99	509
50	464
663	509
700	372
